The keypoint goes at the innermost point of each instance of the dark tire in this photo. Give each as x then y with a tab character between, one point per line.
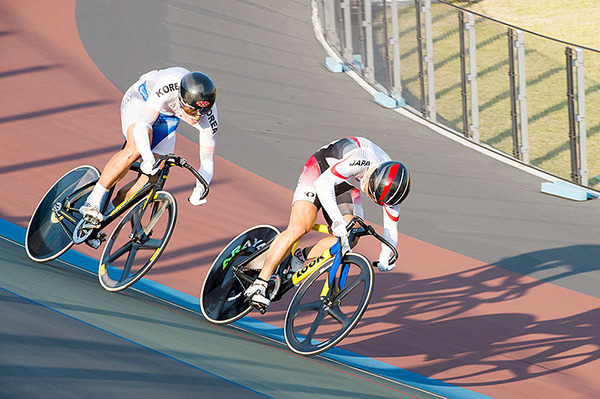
127	259
314	324
222	297
50	234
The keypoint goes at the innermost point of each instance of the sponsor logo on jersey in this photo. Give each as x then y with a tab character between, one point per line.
167	88
361	162
213	121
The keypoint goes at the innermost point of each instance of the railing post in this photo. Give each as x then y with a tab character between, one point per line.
473	78
395	42
368	24
432	112
579	68
421	58
573	141
329	21
463	73
347	49
513	93
518	118
522	97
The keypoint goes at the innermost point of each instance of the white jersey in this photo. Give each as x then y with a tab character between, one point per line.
154	99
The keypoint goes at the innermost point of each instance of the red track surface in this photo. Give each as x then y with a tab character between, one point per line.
439	313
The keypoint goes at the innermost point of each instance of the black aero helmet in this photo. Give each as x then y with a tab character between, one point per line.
389	183
197	92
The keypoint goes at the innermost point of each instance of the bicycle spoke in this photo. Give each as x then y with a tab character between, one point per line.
316	305
119	252
129	263
314	326
152	243
156	214
339	316
338	296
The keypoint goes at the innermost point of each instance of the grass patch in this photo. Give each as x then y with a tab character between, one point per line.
571	21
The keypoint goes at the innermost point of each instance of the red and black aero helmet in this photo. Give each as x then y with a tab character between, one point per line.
389	183
197	92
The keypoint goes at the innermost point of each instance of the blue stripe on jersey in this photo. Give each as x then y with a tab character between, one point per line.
143	91
164	125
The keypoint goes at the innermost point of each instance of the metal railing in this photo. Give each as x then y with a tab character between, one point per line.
521	93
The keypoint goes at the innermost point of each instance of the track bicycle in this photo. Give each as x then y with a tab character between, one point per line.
147	221
332	291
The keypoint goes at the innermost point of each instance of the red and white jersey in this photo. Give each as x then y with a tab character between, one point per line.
348	161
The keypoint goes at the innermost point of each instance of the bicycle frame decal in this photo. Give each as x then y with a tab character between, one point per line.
258	244
122	204
311	267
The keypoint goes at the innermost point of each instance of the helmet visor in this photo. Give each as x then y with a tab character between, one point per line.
200	108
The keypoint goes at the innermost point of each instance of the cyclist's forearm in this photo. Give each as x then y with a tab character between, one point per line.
207	165
206	140
390	226
141	135
325	186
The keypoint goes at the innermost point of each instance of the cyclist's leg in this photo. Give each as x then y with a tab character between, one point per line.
302	218
324	244
345	204
118	166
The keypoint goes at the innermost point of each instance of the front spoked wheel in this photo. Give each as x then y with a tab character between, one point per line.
138	241
316	320
222	297
50	230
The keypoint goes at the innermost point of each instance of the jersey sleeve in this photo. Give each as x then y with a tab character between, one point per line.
207	127
391	215
143	124
357	203
336	174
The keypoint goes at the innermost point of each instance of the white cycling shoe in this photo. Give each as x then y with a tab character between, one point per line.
91	214
257	293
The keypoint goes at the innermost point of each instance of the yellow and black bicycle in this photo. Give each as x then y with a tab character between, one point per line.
147	222
332	291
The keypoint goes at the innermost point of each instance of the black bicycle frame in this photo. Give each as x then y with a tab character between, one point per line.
147	191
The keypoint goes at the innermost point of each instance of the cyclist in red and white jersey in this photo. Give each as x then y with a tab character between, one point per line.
332	180
151	110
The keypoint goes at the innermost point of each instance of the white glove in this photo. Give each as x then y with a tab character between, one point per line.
384	262
195	197
147	167
339	228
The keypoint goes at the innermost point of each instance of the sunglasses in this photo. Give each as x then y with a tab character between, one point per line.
194	111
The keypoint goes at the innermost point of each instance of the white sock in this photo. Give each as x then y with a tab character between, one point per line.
97	195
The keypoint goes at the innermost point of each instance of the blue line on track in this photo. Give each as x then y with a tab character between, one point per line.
17	233
135	343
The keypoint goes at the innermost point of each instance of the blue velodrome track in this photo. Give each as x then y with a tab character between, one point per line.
496	293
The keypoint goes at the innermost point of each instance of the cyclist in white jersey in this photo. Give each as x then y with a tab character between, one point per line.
151	110
332	179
